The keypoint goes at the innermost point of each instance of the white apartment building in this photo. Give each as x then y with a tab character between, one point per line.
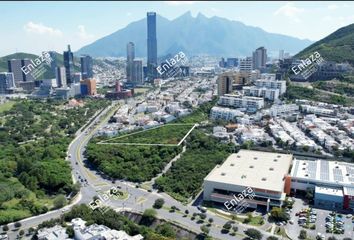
272	83
266	93
250	103
94	231
277	110
225	113
318	110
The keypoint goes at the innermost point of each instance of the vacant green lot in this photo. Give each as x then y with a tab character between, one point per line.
166	134
6	106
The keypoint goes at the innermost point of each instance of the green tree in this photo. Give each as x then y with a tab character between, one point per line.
205	229
278	214
159	203
166	230
5	228
70	231
21	232
150	213
17	224
303	234
254	233
60	201
272	238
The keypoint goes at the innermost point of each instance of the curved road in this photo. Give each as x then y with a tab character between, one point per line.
138	199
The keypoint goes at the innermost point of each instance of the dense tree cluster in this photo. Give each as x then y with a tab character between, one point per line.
134	163
185	177
34	137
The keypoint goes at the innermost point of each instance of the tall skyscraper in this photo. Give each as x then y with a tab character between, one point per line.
134	67
86	67
151	46
260	58
137	72
130	61
130	52
53	63
15	66
69	65
6	82
60	75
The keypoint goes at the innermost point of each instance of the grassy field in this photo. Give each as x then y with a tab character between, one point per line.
165	134
6	106
141	90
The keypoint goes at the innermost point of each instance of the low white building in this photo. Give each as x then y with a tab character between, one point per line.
225	113
250	103
54	233
266	93
94	231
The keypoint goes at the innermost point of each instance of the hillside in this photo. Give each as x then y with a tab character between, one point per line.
214	36
47	74
338	46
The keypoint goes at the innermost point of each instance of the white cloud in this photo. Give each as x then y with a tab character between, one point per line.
332	7
39	28
290	11
175	3
83	34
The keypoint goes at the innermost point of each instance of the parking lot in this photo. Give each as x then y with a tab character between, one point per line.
320	222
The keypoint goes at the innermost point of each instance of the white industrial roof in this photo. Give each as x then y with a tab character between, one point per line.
340	173
255	169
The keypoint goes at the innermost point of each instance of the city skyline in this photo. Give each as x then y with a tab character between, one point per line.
42	28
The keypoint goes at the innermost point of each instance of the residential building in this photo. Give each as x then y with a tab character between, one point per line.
69	65
266	93
260	58
95	231
86	67
265	174
88	87
224	81
225	113
250	103
246	64
54	233
270	82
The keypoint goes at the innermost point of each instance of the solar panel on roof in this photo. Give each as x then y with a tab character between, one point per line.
296	168
350	170
324	169
312	166
337	174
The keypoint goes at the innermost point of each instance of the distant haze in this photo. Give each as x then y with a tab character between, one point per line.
194	36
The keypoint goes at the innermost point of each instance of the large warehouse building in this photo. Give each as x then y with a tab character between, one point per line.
272	176
265	173
333	182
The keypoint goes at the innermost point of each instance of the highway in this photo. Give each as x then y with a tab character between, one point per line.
138	199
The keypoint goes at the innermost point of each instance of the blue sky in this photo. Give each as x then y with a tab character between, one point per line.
36	26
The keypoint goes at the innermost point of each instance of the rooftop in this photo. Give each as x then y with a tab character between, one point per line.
324	171
263	170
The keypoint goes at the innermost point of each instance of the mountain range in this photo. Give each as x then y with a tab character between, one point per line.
337	47
198	35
